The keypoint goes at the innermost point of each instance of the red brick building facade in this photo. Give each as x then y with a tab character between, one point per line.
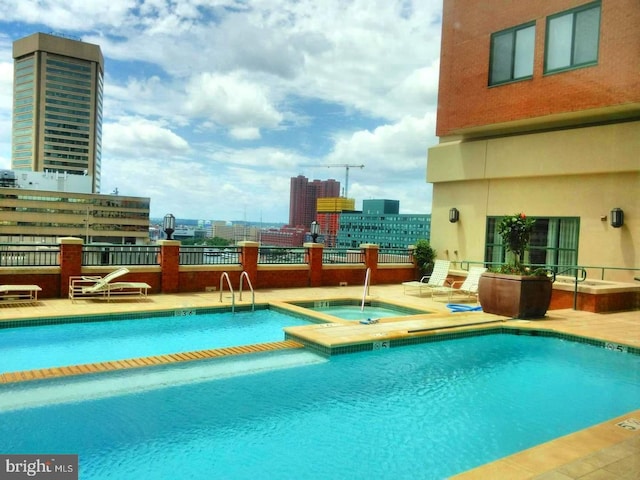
468	105
539	112
303	197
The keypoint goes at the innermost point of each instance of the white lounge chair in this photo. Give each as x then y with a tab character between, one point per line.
438	278
19	293
104	287
468	287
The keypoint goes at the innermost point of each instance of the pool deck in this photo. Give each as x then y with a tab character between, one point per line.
610	450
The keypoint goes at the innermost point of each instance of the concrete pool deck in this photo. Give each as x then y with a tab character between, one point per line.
604	451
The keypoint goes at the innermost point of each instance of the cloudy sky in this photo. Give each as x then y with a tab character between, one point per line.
211	106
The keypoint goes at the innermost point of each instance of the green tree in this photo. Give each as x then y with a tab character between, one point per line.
424	255
218	242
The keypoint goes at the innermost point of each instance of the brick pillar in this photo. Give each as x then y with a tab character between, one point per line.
70	261
249	259
314	260
169	265
370	251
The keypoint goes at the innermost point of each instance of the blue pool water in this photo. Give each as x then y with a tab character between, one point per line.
426	411
354	312
63	344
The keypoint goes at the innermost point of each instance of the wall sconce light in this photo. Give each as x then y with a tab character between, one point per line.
454	215
617	217
169	225
315	230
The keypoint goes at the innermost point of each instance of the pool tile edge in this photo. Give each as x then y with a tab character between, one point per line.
143	362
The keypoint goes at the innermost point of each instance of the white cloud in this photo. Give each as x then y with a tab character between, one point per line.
138	137
398	148
375	47
230	100
245	133
394	159
67	15
270	160
417	93
6	86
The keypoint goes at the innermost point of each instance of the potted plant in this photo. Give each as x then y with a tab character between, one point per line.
424	255
514	289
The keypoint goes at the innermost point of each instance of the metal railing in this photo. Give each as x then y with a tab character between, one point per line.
280	255
579	273
394	255
28	255
199	255
575	271
603	270
342	255
93	255
577	279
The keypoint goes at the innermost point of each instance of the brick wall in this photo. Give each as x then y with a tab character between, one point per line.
170	277
465	99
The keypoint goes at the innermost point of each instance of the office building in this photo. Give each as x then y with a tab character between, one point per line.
282	237
381	223
328	215
57	106
303	197
235	232
539	112
40	207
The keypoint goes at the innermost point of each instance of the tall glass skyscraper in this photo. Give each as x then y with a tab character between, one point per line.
57	106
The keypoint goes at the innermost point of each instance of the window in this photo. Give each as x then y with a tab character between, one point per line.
512	54
554	241
572	38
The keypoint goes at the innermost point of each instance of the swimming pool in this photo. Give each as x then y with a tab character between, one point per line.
424	411
62	344
352	309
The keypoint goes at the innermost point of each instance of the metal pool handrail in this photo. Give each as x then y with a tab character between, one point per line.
233	297
367	280
253	295
583	277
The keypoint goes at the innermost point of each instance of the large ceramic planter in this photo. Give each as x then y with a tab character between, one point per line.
514	296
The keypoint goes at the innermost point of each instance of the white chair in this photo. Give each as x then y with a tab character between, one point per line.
103	287
468	287
437	279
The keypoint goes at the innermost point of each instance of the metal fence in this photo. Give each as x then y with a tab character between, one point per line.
394	255
342	255
29	255
93	255
197	255
280	255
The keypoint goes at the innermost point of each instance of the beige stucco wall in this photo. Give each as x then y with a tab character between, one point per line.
583	172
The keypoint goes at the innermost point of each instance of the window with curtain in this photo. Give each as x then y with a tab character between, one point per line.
511	56
554	241
573	38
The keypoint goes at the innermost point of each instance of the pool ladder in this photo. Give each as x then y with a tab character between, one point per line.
253	295
224	276
233	296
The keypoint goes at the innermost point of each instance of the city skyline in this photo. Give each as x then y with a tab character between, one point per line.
209	111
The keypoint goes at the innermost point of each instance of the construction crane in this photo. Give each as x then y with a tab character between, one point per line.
346	166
